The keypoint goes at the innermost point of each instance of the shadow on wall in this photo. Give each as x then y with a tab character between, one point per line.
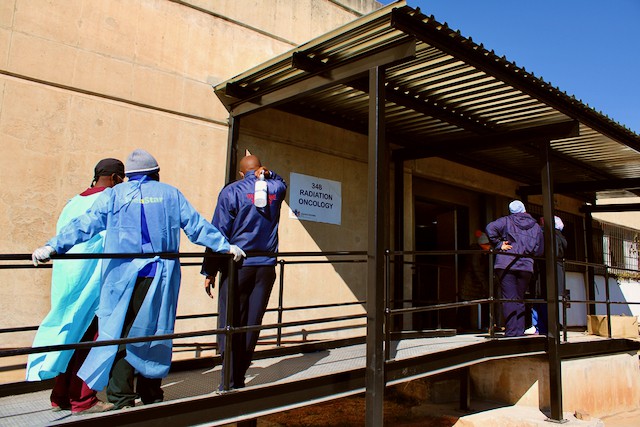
619	291
513	381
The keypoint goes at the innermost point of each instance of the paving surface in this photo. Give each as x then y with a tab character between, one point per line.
33	409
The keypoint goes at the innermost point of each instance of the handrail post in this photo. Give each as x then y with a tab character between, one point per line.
565	302
387	305
280	302
492	304
438	318
607	299
228	330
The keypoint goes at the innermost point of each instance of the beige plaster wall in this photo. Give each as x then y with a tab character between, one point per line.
310	148
627	219
81	80
288	144
599	386
85	79
462	176
296	21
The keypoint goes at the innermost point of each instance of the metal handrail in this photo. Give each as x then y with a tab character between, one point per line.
491	300
229	330
207	315
89	344
608	303
176	255
280	309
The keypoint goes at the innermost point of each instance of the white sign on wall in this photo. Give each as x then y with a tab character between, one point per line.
315	199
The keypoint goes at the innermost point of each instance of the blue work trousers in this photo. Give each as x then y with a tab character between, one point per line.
120	390
254	284
513	284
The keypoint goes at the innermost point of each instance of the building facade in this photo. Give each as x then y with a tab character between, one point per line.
82	80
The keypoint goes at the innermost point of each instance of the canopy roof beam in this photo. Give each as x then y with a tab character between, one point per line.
441	147
585	186
621	207
428	108
274	95
459	47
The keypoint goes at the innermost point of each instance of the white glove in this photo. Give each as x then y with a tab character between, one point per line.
237	253
42	255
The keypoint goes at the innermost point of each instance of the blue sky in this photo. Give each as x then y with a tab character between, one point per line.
588	48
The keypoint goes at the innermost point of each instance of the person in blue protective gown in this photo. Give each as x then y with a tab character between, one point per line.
139	296
254	229
75	289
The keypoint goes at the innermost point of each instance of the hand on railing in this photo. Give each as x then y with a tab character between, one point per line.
237	253
42	255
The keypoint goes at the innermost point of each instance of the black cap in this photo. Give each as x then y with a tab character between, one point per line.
107	167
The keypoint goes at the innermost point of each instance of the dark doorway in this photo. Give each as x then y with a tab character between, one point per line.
439	227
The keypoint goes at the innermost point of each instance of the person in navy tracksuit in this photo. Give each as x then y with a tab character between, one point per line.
517	233
255	230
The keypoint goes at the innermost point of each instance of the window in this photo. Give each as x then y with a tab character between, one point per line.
619	246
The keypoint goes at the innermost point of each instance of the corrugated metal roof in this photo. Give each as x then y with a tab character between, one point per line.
446	96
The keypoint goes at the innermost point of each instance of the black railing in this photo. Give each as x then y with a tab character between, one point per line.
281	309
291	259
491	299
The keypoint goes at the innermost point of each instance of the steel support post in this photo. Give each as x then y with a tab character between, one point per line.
553	336
398	264
590	273
377	228
232	148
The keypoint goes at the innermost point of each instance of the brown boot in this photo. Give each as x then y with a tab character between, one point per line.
100	406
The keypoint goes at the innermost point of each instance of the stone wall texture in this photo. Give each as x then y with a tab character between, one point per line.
82	80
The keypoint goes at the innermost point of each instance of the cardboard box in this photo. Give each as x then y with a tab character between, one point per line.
621	326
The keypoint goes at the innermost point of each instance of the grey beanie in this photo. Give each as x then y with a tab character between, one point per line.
140	161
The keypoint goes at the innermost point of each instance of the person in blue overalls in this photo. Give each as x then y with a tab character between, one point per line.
517	233
253	229
139	297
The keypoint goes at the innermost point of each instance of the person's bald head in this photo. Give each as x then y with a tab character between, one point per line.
249	163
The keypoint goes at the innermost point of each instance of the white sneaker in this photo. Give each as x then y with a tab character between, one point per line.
531	331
